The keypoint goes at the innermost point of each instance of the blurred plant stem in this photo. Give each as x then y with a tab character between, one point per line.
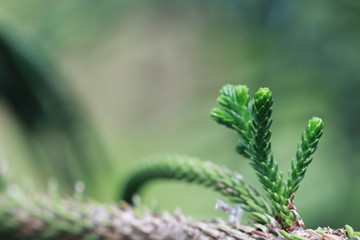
56	126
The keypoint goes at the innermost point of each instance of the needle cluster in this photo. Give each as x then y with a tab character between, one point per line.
251	119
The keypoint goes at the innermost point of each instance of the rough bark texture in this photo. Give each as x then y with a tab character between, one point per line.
29	216
39	216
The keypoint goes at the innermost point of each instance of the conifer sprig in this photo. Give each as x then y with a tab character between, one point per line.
305	150
235	114
251	119
261	155
252	122
221	179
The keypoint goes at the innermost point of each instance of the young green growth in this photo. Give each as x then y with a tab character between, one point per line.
290	236
351	234
307	147
252	122
251	119
260	153
234	111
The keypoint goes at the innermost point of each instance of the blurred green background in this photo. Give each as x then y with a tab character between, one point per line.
136	78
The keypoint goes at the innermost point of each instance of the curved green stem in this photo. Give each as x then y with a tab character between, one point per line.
205	173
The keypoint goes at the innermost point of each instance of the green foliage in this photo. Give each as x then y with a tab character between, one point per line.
291	237
261	157
255	144
252	122
351	234
309	141
251	119
189	169
234	112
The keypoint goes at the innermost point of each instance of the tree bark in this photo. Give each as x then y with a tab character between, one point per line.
40	216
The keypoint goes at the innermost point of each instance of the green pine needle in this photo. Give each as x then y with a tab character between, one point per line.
307	147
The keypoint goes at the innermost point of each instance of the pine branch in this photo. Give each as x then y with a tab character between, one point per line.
235	113
205	173
38	216
261	155
307	147
29	216
252	122
25	215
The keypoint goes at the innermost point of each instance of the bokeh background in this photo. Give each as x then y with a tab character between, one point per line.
89	88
